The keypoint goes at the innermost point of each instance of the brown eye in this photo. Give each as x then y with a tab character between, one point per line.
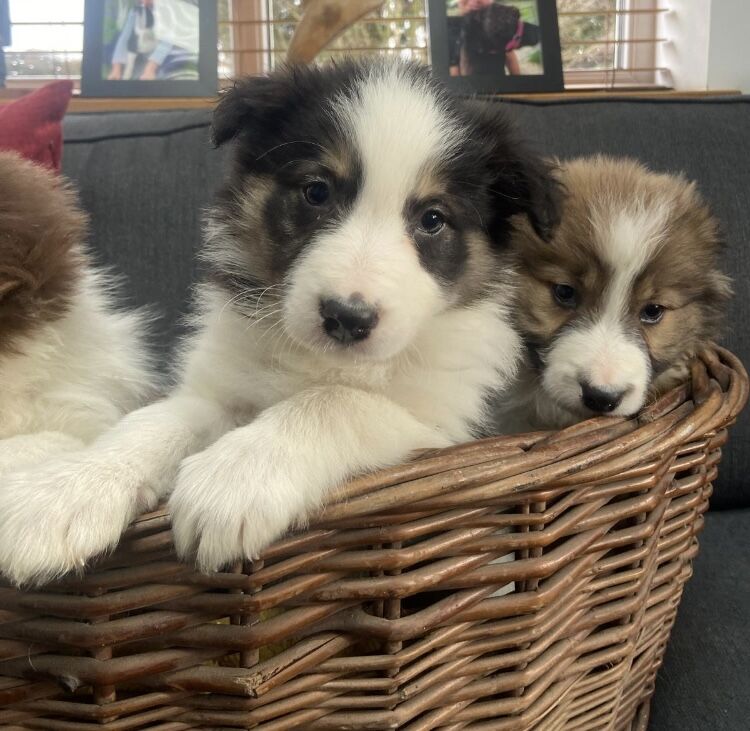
565	295
317	193
652	313
432	222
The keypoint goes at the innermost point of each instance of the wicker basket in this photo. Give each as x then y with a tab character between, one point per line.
400	607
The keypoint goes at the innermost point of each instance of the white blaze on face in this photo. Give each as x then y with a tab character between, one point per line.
398	130
606	352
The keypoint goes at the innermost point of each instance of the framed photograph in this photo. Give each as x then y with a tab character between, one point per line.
149	48
495	46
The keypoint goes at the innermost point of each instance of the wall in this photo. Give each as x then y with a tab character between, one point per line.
728	50
708	44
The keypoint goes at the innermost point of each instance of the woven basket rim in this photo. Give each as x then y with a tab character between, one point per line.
718	386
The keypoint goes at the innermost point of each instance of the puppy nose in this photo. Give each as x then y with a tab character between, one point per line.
348	322
600	400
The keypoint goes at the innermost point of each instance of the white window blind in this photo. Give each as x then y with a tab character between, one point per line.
610	43
605	43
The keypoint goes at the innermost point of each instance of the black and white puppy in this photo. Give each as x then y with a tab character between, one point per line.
628	291
355	312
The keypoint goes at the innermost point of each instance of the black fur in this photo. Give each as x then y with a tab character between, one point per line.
284	135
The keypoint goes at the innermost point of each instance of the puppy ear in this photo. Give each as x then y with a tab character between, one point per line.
523	181
251	104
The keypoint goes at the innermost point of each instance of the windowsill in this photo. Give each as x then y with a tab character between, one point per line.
622	93
80	104
138	104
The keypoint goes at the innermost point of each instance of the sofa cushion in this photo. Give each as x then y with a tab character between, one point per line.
703	683
145	179
145	176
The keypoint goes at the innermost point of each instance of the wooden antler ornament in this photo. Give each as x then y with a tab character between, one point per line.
321	22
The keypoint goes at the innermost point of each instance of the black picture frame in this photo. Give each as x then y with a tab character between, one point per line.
94	85
551	80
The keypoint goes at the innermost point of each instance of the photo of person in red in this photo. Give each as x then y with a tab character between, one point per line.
485	36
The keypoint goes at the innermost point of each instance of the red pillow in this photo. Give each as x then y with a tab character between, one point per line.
32	126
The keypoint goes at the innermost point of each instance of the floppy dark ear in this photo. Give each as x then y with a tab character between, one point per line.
537	190
252	103
523	180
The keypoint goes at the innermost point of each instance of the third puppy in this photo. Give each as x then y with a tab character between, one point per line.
612	309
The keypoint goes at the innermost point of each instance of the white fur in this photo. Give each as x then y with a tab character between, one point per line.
604	352
266	421
63	385
318	425
398	127
398	130
604	355
321	422
73	378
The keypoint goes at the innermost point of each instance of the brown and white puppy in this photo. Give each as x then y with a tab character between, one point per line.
614	306
70	365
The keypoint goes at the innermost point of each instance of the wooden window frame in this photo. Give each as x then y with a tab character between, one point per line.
249	20
634	49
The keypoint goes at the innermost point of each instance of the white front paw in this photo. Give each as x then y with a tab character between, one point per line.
232	500
55	518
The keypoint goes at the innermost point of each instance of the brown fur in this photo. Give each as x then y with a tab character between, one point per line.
682	274
41	229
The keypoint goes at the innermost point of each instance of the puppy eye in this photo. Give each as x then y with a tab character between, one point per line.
652	313
317	193
565	295
432	222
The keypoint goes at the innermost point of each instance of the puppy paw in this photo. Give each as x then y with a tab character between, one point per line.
234	499
58	516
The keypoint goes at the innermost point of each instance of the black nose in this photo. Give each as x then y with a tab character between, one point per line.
348	321
600	400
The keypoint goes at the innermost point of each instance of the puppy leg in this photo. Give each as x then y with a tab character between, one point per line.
55	517
26	450
244	491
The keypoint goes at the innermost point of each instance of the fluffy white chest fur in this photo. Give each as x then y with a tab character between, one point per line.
443	378
71	379
278	427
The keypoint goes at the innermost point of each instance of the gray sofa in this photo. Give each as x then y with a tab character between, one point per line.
145	177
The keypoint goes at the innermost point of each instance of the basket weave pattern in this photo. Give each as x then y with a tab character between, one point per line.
400	606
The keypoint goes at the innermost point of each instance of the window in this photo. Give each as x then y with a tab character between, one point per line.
260	32
605	43
609	43
47	40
